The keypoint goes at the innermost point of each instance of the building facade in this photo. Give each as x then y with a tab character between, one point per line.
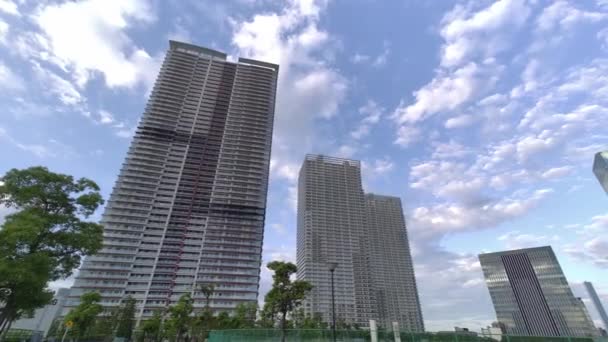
189	203
43	318
366	236
531	295
597	303
394	282
331	228
600	169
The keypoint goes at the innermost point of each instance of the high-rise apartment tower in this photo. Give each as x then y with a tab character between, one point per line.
531	295
365	235
394	284
600	169
189	204
597	303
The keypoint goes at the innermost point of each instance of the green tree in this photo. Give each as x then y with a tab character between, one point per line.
244	315
152	327
207	290
46	238
286	295
83	316
126	318
179	317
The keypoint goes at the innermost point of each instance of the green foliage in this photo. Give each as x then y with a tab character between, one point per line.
83	316
152	328
286	295
244	315
126	318
207	290
46	238
304	321
179	317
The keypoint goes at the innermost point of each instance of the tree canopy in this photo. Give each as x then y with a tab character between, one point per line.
286	295
83	316
46	237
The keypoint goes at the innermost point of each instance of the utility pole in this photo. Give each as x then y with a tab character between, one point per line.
332	268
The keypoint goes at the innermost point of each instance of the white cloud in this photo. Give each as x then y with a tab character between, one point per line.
376	62
345	151
443	218
105	117
3	31
124	131
459	121
50	149
557	172
86	38
468	34
288	171
450	150
58	86
382	58
359	58
9	7
517	240
9	80
279	228
407	135
563	15
449	90
378	167
598	225
372	113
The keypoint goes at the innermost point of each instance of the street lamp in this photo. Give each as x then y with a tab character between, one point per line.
332	267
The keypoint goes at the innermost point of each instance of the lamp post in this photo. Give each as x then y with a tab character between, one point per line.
332	267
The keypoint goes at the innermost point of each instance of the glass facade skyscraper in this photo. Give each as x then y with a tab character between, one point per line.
366	236
600	169
597	303
189	203
531	295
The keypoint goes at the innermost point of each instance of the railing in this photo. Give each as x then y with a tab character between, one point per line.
318	335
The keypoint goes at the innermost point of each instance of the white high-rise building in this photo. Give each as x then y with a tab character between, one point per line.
365	236
189	203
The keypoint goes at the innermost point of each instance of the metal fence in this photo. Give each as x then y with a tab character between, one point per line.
304	335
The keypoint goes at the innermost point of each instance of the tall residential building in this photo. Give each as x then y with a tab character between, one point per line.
597	303
365	236
531	295
331	228
189	203
600	168
394	283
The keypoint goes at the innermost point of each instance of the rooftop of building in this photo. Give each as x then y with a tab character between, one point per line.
200	50
517	251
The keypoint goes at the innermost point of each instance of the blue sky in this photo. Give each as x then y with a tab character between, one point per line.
482	116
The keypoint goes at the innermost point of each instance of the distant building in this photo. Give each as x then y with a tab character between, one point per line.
464	331
494	331
392	270
597	303
531	295
366	236
44	317
600	168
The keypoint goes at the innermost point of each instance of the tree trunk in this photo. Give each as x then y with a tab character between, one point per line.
7	325
5	321
283	325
